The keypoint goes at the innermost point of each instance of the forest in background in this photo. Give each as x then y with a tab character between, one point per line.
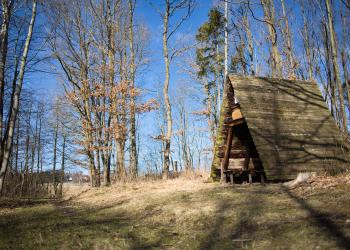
99	51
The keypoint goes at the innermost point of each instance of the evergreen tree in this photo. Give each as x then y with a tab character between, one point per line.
210	58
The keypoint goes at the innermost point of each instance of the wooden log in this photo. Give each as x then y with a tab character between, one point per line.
225	161
231	178
234	154
237	163
230	122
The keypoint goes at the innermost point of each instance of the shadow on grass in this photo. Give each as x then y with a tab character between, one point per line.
322	220
61	225
231	232
247	232
233	225
24	202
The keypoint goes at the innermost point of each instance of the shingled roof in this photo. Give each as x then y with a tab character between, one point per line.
290	124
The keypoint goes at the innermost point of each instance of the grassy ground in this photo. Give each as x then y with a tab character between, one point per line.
181	214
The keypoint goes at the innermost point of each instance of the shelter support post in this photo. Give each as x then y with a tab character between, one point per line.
225	161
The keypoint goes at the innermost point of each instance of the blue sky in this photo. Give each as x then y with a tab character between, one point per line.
147	15
48	85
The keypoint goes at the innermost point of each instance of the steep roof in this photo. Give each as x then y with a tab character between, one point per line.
291	125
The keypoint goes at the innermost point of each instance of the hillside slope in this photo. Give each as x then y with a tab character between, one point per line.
182	214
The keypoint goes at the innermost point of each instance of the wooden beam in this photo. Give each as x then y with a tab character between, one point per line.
225	161
229	122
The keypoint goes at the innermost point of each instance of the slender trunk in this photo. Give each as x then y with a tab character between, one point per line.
55	158
288	42
209	113
250	44
17	144
331	87
344	58
167	139
269	14
98	168
34	143
14	106
26	164
120	151
306	40
39	147
133	146
62	165
107	170
334	53
4	34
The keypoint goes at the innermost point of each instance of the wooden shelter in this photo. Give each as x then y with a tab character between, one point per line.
274	129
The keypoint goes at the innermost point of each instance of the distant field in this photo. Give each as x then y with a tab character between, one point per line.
181	214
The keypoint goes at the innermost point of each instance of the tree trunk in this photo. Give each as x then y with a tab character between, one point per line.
344	58
331	86
39	145
55	139
250	44
133	147
107	169
17	144
288	43
62	165
306	39
337	79
4	34
120	151
209	114
167	139
14	106
269	14
226	40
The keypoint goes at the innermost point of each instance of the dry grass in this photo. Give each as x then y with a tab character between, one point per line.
183	213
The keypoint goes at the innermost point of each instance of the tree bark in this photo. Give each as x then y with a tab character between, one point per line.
288	43
306	39
14	106
269	14
337	79
133	146
167	139
344	58
120	151
55	139
62	165
4	34
250	44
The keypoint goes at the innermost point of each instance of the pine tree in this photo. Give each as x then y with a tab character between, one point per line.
210	58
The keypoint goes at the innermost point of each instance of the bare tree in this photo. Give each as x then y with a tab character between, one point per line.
334	53
288	43
171	10
133	146
269	19
7	135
